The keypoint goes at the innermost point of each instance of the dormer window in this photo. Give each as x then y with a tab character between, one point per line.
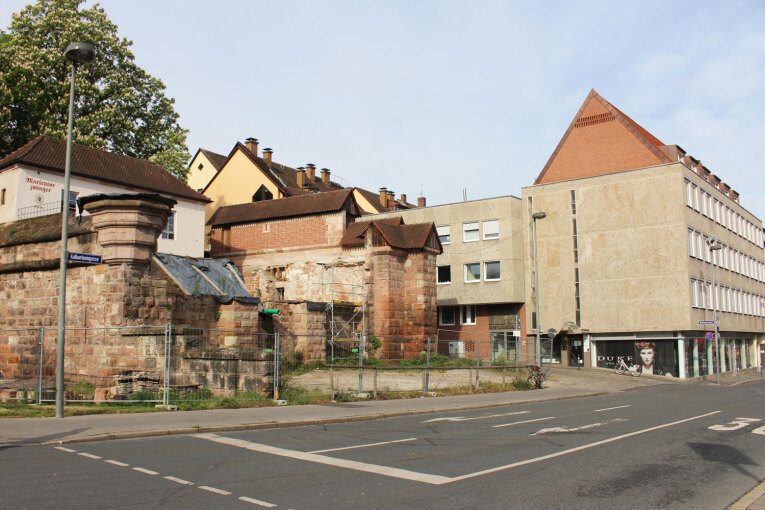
262	194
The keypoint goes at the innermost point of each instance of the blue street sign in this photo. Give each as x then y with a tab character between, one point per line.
83	257
706	322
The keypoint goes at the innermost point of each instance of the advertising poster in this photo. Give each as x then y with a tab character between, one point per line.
657	357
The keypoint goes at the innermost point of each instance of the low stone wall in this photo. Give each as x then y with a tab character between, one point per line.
225	371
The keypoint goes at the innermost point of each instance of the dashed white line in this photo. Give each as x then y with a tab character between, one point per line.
256	502
364	445
144	470
65	449
178	480
464	418
89	455
524	421
611	408
213	489
117	463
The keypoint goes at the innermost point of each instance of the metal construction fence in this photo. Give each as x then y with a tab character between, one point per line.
168	365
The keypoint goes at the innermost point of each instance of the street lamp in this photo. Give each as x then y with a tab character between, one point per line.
713	247
540	215
76	53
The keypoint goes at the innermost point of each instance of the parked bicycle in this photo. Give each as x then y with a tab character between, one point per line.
621	367
536	377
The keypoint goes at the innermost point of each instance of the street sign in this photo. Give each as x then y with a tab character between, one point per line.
83	257
710	336
706	322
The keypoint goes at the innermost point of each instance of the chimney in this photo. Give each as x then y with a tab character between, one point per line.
267	152
391	198
252	145
420	201
325	175
311	169
384	197
301	177
403	198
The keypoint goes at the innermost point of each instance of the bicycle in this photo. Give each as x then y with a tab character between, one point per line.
622	367
536	377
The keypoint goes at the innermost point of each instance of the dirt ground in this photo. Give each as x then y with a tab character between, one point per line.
347	380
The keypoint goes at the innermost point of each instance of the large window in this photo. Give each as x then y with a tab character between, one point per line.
444	234
444	274
169	231
467	315
491	229
470	232
491	271
446	316
472	272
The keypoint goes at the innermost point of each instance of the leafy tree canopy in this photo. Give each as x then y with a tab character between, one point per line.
119	107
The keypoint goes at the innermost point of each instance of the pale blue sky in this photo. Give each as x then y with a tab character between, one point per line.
444	95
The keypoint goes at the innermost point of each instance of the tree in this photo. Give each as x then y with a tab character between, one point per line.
119	107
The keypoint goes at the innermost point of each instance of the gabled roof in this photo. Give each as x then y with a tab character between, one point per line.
217	160
395	233
49	153
283	177
302	205
614	156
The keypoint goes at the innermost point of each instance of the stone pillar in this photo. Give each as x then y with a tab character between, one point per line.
696	371
711	360
128	225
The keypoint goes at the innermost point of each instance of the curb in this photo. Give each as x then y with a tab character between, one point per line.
749	498
298	423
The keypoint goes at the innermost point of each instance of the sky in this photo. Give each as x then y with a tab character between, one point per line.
436	97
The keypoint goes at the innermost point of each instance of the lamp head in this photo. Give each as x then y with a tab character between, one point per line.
539	215
80	53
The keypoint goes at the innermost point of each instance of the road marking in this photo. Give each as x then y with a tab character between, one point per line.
738	423
330	461
144	470
213	489
364	445
117	463
579	448
554	430
524	421
464	418
178	480
424	477
89	455
759	430
256	502
610	408
65	449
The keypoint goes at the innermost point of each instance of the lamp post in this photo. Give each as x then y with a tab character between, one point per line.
537	216
713	247
76	53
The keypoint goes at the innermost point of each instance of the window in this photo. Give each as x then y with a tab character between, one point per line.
694	298
444	234
169	231
467	315
491	271
470	232
688	193
491	229
691	243
72	199
446	316
472	273
262	194
695	197
444	274
2	197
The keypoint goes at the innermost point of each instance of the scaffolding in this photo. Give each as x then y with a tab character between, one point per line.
346	309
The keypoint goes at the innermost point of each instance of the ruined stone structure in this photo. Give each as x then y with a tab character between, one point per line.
129	290
315	249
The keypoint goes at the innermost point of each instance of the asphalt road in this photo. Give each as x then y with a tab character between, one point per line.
666	446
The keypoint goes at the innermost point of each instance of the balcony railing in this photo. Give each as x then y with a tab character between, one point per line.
37	210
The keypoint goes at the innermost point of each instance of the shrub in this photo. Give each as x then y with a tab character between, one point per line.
520	384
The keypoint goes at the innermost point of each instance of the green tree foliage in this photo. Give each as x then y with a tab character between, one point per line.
119	107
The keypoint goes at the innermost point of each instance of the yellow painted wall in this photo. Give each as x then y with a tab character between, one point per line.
199	178
235	184
364	204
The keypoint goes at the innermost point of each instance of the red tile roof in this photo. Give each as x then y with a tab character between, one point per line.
302	205
395	233
217	160
49	153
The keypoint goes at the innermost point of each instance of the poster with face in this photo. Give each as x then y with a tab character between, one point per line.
657	357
